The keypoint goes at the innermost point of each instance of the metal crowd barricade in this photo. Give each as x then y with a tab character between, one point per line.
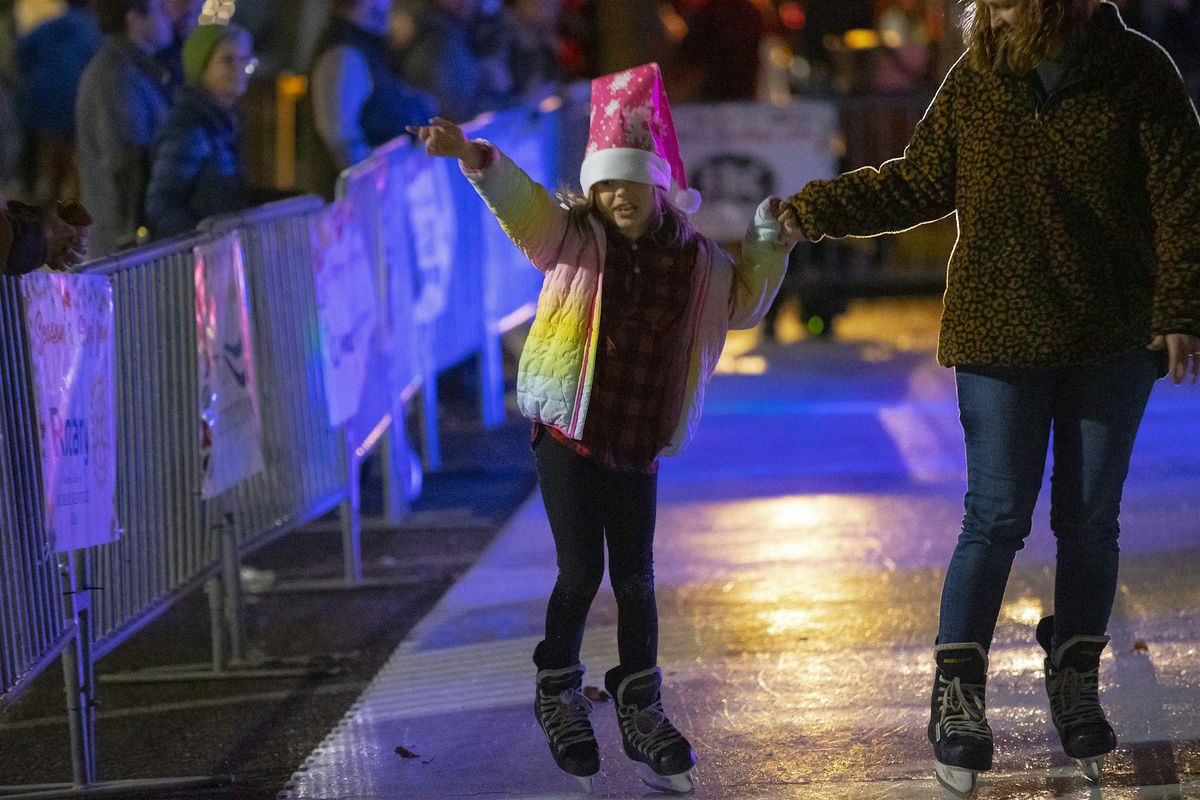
396	351
33	628
305	473
113	590
307	470
449	285
430	285
168	542
172	540
306	467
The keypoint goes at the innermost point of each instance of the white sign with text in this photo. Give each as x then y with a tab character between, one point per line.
347	306
230	427
736	154
70	323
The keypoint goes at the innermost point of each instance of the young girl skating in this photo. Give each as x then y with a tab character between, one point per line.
631	320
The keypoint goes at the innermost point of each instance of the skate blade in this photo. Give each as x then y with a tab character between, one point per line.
682	783
585	783
1091	768
957	781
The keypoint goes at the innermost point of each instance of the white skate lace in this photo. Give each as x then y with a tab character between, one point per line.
1075	697
962	709
648	729
565	717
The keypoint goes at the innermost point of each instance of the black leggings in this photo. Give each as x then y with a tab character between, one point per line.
587	503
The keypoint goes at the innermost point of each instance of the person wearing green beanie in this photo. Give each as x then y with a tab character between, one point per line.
200	45
197	169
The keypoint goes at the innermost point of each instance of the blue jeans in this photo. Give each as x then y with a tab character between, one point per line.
1007	415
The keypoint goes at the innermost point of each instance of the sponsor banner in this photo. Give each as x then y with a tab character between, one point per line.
739	153
70	324
230	427
347	306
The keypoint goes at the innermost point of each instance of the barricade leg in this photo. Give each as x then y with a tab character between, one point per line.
427	420
350	525
231	582
229	661
491	381
77	677
79	688
216	623
351	521
399	475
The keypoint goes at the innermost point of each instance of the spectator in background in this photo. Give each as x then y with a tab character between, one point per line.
124	96
442	60
531	48
720	53
184	16
359	100
31	237
50	61
197	169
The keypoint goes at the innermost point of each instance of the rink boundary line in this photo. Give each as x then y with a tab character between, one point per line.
188	705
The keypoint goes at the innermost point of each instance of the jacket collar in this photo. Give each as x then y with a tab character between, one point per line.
203	105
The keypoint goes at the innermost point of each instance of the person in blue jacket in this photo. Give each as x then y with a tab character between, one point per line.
197	166
51	59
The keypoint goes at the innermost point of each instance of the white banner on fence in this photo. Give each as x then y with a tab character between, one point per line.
347	306
231	433
738	153
70	324
429	201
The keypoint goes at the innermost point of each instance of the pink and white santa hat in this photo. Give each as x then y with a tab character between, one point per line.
632	136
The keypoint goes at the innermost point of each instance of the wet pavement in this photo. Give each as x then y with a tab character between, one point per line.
801	546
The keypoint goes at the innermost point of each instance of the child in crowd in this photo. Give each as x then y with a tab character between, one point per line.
632	317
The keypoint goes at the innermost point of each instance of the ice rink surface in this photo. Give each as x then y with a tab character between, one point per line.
801	545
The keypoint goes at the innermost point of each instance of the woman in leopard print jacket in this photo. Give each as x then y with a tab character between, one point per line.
1070	151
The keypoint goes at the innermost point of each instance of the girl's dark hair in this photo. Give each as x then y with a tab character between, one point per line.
672	228
110	14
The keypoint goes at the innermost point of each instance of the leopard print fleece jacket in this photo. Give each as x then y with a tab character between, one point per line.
1078	213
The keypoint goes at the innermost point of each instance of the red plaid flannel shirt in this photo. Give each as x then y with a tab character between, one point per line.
641	357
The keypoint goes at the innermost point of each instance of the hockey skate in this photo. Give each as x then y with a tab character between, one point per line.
958	728
1073	686
562	712
661	755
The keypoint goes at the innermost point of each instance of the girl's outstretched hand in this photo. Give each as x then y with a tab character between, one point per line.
442	137
789	223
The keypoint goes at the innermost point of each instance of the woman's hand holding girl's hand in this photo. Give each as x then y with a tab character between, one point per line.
789	223
442	137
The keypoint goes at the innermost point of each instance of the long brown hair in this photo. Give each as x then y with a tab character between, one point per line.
1044	28
671	227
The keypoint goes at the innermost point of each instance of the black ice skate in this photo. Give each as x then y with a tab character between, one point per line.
662	757
563	711
1073	685
958	728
